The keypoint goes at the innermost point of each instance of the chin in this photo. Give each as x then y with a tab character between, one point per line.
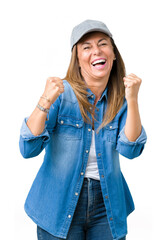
102	75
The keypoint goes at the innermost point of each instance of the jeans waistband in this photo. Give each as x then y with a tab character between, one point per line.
91	182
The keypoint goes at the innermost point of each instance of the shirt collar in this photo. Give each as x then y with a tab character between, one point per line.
91	95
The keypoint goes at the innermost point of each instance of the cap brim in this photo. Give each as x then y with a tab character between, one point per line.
89	31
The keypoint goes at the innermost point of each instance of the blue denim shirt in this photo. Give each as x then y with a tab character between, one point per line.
54	194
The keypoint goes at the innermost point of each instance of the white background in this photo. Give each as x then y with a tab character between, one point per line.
34	45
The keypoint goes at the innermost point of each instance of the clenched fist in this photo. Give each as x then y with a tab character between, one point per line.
54	87
132	84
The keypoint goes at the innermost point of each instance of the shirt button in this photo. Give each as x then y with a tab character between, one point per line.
87	151
82	173
91	96
77	125
106	197
69	216
102	176
62	122
111	218
110	127
89	129
99	154
76	193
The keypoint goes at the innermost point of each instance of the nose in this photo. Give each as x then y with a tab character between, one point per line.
96	50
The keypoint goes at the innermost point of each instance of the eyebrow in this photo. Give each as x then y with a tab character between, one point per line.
100	40
85	43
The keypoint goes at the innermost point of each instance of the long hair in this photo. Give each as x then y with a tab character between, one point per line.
115	92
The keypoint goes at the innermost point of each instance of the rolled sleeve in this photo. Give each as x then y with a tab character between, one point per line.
27	134
31	145
131	149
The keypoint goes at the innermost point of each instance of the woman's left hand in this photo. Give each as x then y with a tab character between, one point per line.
132	84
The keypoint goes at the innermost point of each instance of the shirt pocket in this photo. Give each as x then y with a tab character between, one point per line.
112	131
69	128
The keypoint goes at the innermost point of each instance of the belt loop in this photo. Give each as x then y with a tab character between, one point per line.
89	181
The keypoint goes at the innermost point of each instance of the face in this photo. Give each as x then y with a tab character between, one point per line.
95	56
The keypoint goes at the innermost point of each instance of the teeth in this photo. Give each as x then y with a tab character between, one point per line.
98	61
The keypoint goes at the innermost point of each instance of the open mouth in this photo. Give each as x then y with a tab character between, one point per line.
99	62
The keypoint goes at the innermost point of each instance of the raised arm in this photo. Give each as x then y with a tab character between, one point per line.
34	135
133	125
36	122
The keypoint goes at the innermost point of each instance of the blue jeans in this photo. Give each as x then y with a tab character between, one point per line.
89	220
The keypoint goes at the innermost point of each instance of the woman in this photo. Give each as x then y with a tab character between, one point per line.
79	191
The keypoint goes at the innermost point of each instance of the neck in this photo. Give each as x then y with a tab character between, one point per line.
95	84
97	91
97	88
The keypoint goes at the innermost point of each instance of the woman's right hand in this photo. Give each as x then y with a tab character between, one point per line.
36	122
54	87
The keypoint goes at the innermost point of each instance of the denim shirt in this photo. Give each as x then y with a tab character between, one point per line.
54	194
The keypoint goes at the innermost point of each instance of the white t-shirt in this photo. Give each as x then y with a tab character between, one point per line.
92	167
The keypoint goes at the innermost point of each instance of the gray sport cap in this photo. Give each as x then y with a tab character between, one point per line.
86	27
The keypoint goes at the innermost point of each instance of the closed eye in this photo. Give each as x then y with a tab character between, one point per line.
86	48
103	44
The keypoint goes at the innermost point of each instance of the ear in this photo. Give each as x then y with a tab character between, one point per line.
114	57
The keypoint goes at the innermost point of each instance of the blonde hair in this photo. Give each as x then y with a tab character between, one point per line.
115	92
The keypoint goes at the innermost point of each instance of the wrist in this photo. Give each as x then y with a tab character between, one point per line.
44	103
132	101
